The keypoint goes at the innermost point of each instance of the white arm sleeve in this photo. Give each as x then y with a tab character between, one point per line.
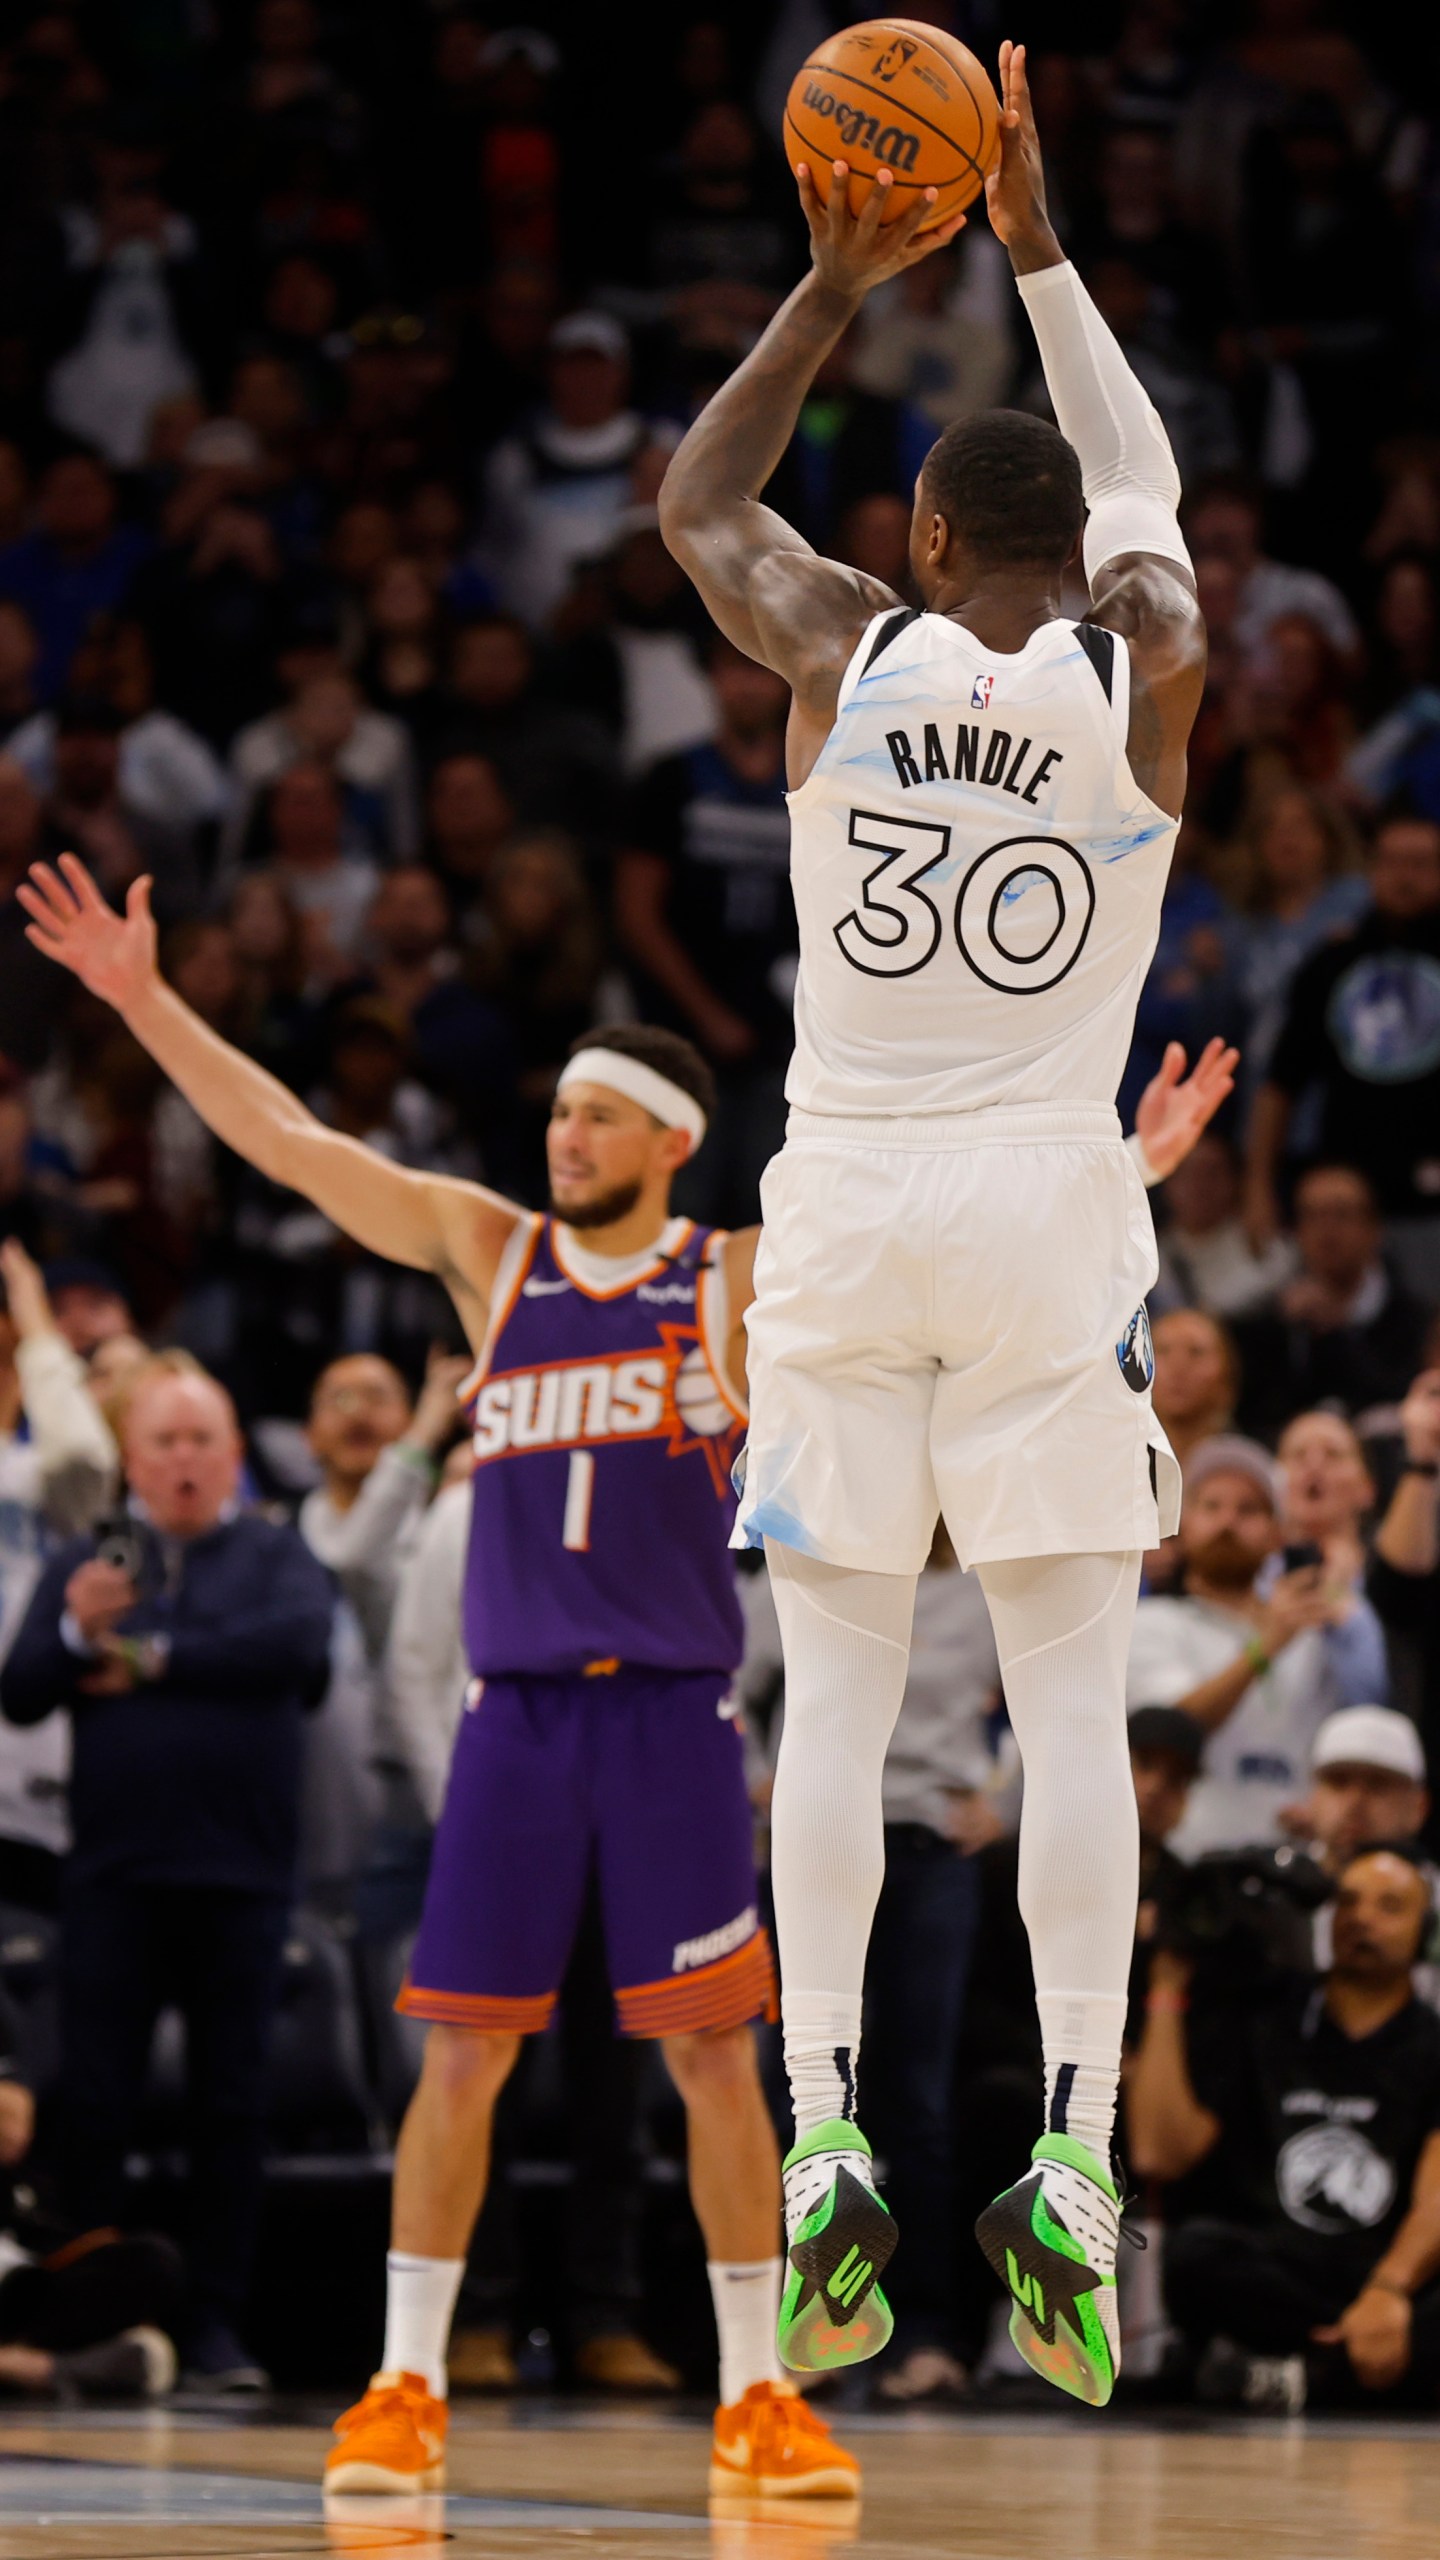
1141	1161
1132	487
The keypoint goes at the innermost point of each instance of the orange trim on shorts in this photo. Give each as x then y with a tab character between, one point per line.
726	1994
484	2014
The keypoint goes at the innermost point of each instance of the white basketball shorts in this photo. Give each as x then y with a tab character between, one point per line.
949	1316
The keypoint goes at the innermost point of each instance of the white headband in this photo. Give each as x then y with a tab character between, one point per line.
655	1093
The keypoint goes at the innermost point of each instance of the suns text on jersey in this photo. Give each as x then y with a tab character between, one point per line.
978	755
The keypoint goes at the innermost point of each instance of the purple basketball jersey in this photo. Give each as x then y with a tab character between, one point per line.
603	1437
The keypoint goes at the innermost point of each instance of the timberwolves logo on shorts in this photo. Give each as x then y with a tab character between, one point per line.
1136	1353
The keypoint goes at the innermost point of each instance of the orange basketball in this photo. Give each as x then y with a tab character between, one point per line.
893	94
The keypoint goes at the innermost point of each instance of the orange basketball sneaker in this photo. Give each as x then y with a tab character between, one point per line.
391	2441
770	2445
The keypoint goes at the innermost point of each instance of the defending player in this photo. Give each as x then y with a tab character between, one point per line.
984	799
603	1630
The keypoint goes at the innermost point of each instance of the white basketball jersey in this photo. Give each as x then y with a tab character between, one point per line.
977	875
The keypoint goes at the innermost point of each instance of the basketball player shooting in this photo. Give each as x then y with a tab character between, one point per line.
956	1248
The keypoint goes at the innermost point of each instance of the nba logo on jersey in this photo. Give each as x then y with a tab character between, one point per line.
980	693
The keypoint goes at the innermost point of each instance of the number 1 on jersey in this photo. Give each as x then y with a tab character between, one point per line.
579	1489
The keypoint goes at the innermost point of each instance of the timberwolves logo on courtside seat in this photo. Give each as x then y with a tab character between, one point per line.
1136	1353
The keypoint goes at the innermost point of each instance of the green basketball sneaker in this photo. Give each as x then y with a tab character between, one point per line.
841	2239
1051	2240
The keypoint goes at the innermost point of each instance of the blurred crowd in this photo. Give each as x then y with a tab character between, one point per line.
340	359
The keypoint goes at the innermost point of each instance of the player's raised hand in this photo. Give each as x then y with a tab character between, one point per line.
1171	1114
114	956
853	251
1015	188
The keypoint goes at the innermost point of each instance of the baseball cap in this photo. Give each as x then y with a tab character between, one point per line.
589	333
1168	1729
1370	1738
1230	1453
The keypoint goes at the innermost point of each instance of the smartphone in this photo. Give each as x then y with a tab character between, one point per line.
1303	1557
119	1541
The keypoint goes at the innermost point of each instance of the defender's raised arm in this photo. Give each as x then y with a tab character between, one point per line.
1135	557
454	1229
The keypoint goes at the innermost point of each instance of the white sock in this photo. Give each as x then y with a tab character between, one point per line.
747	2308
1062	1629
419	2307
822	2055
846	1640
1081	2033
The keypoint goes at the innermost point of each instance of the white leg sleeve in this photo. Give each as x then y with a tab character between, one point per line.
1062	1629
1132	487
846	1640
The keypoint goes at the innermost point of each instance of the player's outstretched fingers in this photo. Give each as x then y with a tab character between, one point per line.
872	211
80	881
838	208
809	194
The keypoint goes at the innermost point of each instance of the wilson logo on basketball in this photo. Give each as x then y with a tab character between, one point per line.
859	132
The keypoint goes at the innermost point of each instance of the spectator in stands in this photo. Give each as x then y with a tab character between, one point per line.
1367	1787
131	306
80	2313
368	752
1315	2280
1197	1378
58	1469
1207	1262
703	908
539	956
556	763
1343	1330
1363	1024
213	603
170	787
1167	1747
469	815
1258	1664
84	812
1404	1576
87	1303
78	562
188	1668
1224	522
1326	1494
631	648
553	491
458	1043
1302	885
330	888
401	669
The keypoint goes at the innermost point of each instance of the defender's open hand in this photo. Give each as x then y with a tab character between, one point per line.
851	251
114	956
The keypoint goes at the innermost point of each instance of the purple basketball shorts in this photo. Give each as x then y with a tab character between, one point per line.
636	1775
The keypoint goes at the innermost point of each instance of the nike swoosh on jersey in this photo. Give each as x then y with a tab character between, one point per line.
542	1288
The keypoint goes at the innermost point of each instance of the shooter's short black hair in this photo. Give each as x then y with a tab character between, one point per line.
1008	486
665	1051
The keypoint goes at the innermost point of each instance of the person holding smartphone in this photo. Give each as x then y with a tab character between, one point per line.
1256	1646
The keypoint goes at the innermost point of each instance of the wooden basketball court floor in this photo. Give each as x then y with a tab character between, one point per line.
561	2480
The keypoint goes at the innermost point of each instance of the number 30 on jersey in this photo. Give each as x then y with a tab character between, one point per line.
1022	912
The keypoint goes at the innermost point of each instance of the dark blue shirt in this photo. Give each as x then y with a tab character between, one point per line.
194	1777
62	597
